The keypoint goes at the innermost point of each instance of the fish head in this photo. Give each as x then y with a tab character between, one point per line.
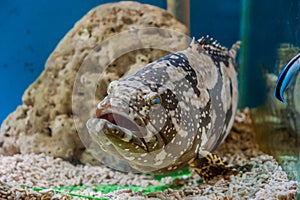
126	117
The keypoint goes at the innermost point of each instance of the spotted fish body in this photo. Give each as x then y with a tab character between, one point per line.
172	111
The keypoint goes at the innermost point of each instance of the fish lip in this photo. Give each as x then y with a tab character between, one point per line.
138	130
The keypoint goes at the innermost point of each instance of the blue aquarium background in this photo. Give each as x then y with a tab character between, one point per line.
265	26
31	29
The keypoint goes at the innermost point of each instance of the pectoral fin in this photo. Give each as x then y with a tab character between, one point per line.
211	166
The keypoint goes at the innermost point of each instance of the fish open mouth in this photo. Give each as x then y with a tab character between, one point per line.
118	119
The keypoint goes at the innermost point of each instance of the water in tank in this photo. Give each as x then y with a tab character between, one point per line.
271	37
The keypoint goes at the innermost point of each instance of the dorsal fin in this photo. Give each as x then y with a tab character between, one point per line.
213	47
218	53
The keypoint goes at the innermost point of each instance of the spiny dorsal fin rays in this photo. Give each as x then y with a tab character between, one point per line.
212	47
208	43
193	46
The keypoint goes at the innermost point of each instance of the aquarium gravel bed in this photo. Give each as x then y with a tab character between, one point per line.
42	177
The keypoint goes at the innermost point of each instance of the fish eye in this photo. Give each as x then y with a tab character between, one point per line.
156	99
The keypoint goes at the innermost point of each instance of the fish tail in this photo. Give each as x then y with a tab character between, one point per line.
234	49
279	95
286	77
233	53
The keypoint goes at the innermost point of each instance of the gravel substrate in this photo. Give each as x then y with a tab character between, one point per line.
265	180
